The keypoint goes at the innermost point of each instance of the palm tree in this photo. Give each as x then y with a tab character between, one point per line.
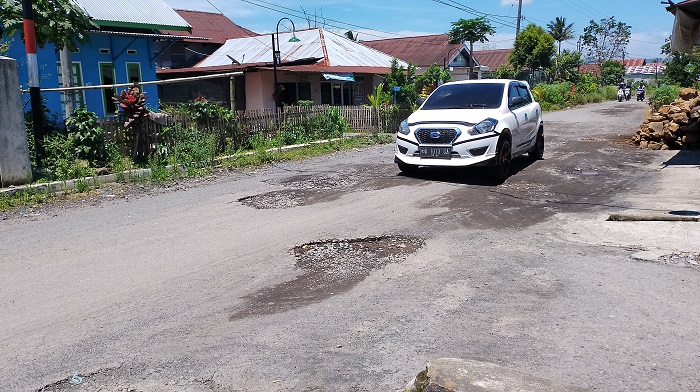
560	31
471	30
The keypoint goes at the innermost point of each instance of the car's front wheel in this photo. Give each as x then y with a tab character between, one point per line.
537	152
504	156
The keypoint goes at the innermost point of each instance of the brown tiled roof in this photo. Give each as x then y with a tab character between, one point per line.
217	27
422	51
492	58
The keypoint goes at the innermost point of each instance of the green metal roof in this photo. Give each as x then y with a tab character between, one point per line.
140	14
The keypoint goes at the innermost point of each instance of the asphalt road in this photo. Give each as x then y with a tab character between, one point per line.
340	274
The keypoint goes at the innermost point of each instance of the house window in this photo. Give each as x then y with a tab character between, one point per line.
77	81
133	72
107	77
104	51
291	93
336	93
131	51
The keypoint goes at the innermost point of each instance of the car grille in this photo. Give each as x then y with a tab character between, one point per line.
447	136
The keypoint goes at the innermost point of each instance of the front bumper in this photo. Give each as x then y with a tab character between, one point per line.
476	150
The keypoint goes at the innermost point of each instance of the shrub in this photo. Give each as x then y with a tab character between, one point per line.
88	137
62	159
663	95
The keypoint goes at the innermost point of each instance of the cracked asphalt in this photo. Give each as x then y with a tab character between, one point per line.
338	273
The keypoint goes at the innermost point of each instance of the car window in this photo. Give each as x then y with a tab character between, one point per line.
512	92
524	93
465	96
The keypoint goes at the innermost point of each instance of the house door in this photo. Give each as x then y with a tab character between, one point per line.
107	77
336	93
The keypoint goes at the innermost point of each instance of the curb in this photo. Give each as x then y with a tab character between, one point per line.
129	175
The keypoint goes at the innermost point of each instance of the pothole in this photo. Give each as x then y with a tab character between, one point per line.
682	259
328	180
331	267
272	200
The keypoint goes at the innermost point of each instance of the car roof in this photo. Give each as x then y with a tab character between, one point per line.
503	81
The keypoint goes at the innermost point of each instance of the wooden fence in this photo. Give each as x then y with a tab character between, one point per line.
236	130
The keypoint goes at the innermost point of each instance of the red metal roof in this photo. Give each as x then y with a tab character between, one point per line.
492	58
217	27
422	51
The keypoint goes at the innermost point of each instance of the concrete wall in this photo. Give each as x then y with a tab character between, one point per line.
15	167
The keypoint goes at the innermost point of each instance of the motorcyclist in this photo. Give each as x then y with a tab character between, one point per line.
640	91
620	91
628	92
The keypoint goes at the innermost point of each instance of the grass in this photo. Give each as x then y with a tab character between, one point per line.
264	154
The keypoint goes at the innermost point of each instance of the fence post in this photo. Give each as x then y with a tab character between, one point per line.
15	166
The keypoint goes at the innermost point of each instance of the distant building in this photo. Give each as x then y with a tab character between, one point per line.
424	51
318	66
120	50
215	27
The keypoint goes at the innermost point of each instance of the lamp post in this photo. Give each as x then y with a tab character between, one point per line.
276	56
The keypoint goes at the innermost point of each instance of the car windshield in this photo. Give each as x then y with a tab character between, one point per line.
466	96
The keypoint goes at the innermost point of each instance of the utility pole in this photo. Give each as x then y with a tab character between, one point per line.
33	68
520	12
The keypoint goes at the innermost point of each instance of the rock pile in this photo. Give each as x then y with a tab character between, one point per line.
674	126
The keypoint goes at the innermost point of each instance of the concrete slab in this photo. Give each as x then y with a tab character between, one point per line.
463	375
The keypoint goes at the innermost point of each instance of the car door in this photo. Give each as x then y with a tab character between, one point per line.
519	111
528	128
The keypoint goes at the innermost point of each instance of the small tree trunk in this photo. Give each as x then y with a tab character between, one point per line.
471	59
67	78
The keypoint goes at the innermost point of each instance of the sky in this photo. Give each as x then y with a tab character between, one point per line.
650	23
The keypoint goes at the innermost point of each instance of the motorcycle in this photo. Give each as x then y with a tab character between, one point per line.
620	94
640	94
628	93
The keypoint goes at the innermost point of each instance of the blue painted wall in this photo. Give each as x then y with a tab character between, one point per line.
89	57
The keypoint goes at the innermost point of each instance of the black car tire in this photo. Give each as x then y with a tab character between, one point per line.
537	151
406	168
504	157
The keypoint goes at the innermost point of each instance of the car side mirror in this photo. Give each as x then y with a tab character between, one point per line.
419	101
517	101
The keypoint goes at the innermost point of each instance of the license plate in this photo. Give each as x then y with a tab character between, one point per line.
436	152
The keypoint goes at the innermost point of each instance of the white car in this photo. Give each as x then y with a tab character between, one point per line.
487	121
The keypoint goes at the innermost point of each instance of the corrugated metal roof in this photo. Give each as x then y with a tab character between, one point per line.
492	58
422	51
334	49
217	27
147	14
649	69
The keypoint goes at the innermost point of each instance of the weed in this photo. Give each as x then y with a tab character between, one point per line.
25	197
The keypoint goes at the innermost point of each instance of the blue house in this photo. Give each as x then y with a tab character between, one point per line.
121	50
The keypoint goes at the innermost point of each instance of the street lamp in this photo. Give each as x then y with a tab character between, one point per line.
276	56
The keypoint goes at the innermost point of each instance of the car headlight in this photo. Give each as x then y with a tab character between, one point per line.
485	126
403	127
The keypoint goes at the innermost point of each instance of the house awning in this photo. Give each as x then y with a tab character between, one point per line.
344	76
686	26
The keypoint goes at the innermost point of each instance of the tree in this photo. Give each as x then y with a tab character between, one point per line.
60	22
612	72
470	30
405	79
565	67
533	48
605	40
431	79
560	31
682	68
666	47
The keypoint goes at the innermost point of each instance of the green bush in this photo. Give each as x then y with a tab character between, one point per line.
88	137
62	160
663	95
